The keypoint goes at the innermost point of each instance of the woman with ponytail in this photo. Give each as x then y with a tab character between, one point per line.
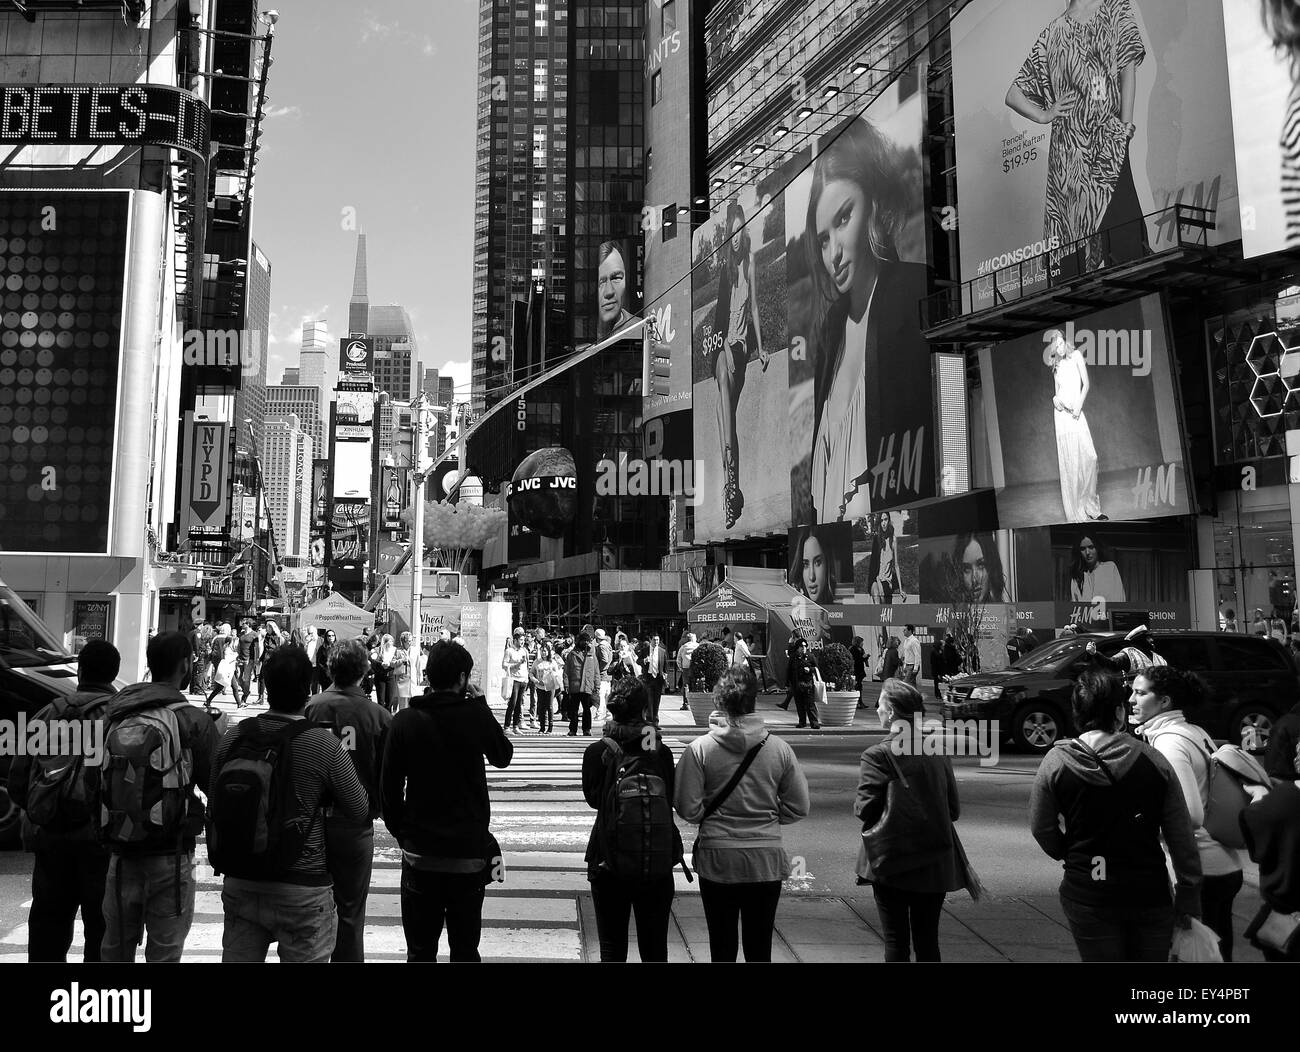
1161	697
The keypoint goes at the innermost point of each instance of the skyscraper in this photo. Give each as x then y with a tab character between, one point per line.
301	401
292	377
288	482
397	353
250	401
359	307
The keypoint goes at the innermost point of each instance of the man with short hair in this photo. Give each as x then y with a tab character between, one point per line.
684	652
910	652
604	651
436	805
581	681
296	909
249	652
70	867
740	653
150	885
655	674
362	726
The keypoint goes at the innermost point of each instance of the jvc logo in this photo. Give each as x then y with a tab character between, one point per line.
543	483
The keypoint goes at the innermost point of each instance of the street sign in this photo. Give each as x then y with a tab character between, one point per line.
205	506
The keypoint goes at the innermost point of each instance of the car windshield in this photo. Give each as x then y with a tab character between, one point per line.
1057	651
24	641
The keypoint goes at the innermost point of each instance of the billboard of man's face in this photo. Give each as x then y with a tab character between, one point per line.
612	287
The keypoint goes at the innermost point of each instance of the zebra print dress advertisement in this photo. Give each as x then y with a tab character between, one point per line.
1081	124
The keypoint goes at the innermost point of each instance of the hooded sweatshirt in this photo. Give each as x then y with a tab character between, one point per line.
1111	843
1281	761
1272	830
741	841
635	739
1188	750
198	734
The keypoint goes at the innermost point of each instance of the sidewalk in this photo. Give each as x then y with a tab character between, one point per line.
673	717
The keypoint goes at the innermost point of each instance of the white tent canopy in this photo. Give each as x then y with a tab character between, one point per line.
347	620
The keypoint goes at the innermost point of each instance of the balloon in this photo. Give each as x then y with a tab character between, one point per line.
544	491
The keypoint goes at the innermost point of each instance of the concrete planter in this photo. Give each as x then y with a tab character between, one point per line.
841	705
701	703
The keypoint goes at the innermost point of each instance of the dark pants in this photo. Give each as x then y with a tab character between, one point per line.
66	877
907	919
615	900
532	700
515	706
243	682
1120	933
654	685
384	694
752	906
545	721
349	857
580	703
430	900
1217	894
805	703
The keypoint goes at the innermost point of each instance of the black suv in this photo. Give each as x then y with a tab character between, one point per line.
1253	680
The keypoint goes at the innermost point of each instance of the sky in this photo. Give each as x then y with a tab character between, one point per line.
370	114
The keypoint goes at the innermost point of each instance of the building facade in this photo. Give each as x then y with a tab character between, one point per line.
289	453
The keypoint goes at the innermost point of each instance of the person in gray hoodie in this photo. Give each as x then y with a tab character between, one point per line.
1116	797
738	854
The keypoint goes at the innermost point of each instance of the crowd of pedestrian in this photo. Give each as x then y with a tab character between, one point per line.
288	799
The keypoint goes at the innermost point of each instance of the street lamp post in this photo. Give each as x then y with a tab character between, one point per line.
418	409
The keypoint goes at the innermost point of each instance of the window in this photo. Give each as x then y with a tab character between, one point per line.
656	87
1247	655
669	23
1191	655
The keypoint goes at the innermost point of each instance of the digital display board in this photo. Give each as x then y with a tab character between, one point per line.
104	115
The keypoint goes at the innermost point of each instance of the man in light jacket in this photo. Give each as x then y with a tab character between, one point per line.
684	652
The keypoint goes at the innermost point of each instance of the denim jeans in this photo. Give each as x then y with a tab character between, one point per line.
752	906
430	900
259	913
616	900
1120	933
545	720
909	918
514	707
580	704
141	899
350	858
67	876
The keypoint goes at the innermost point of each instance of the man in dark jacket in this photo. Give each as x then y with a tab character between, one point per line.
435	803
250	651
70	866
363	728
1280	761
150	884
582	678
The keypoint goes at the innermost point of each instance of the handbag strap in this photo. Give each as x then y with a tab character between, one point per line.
730	787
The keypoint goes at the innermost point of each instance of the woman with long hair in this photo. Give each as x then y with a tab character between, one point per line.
812	568
735	319
407	673
1076	456
868	350
1092	574
886	581
383	659
976	570
1081	78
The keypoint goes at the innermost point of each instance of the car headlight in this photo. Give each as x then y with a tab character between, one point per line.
986	694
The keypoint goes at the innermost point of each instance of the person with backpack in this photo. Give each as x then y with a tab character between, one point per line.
581	682
57	790
158	749
1100	803
627	779
272	777
436	805
363	727
740	785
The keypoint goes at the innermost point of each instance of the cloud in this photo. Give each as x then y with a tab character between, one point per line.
373	29
429	48
460	373
283	111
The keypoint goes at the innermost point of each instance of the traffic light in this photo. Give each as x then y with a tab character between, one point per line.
658	364
661	373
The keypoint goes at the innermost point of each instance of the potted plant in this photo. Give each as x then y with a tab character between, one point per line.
708	663
835	663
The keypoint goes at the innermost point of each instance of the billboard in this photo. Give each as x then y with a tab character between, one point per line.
1265	119
356	357
618	300
62	283
205	485
821	562
352	470
740	364
1066	128
1083	421
861	418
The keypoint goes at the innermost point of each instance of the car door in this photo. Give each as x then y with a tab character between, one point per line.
1255	678
1197	654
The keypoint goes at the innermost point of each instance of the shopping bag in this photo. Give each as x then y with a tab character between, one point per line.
1196	944
507	687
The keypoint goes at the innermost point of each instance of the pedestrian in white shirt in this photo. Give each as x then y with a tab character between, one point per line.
910	652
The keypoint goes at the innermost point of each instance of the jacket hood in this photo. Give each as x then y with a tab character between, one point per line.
1119	753
1158	724
440	698
145	696
633	737
737	734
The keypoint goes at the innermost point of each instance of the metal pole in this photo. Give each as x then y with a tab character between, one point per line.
417	525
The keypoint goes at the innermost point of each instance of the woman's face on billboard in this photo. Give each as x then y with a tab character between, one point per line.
974	574
1088	552
841	232
813	567
612	291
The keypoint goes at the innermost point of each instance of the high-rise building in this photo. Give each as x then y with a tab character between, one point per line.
318	365
287	467
303	402
397	353
359	306
292	377
250	402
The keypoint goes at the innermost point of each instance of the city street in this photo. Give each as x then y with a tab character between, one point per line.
543	910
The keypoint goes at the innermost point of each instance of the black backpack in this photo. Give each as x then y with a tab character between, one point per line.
635	821
254	829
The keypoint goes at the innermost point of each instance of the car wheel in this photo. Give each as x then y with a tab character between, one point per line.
1252	725
10	827
1036	727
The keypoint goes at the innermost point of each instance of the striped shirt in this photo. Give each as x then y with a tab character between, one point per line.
323	775
1290	147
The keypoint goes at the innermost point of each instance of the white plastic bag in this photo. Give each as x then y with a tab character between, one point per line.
1195	945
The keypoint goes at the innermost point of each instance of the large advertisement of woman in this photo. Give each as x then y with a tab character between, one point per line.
1077	119
861	424
740	364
